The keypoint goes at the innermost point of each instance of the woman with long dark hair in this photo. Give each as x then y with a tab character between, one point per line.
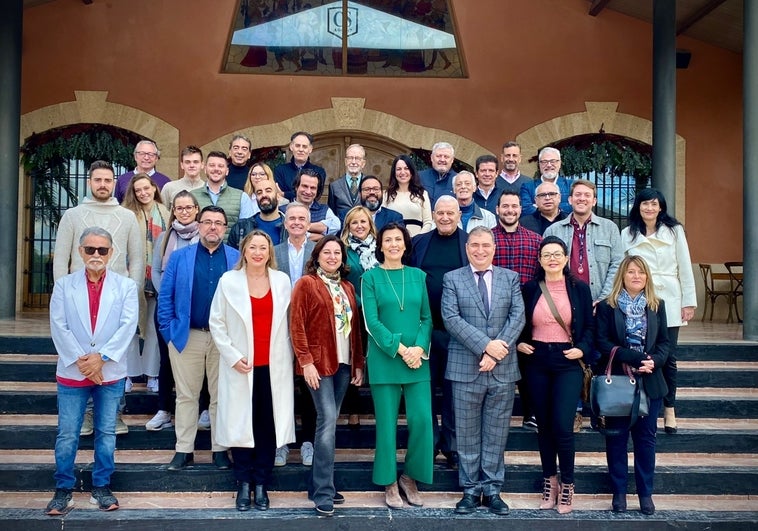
660	239
326	338
406	195
552	349
632	320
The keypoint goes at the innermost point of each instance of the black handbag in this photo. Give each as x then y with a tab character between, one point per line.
618	395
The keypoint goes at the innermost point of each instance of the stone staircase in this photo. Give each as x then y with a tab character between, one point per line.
706	478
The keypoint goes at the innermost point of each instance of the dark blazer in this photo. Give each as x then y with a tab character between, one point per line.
339	198
385	216
421	246
611	332
471	329
582	322
282	255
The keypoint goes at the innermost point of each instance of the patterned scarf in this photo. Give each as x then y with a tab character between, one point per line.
154	225
179	231
342	310
635	315
365	249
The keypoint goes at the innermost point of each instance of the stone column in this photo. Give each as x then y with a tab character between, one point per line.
750	170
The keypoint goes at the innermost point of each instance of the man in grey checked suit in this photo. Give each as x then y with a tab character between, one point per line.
483	311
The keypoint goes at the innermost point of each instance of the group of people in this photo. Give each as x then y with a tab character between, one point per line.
445	289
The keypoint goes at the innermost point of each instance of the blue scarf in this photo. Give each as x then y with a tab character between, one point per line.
635	316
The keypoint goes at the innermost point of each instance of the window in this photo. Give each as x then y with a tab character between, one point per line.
338	37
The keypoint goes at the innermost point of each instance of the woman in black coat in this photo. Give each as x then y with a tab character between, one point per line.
633	319
551	362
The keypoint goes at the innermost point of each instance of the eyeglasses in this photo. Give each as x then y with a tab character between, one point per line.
102	251
557	255
353	158
372	190
184	208
259	174
551	161
212	223
547	195
147	154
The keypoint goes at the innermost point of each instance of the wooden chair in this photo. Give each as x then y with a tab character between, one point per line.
735	281
711	293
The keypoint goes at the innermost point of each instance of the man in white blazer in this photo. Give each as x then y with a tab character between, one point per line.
93	315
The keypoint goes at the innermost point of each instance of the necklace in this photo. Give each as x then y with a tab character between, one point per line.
400	302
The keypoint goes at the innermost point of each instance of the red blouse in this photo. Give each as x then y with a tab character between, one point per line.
263	313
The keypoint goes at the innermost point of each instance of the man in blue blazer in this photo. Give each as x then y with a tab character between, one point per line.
438	180
371	197
550	168
93	315
483	312
187	288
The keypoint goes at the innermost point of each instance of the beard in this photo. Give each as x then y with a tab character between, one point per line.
550	175
268	207
372	203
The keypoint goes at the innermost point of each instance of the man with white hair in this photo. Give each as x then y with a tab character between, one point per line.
438	180
472	215
550	168
146	155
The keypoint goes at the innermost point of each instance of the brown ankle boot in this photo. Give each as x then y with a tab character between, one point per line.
408	487
549	493
392	496
566	498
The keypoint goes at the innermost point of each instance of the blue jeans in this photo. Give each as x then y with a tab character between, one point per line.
327	399
72	402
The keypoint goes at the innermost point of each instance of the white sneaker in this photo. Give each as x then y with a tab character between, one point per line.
152	384
281	455
306	452
161	420
204	422
128	385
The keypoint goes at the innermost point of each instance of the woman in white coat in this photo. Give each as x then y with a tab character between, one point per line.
255	381
659	238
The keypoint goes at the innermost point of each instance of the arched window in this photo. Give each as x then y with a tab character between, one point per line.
56	163
619	166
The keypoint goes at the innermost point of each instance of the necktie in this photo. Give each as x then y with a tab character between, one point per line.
483	292
353	186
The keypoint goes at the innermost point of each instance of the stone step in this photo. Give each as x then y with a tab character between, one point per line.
349	476
41	368
40	398
191	511
695	435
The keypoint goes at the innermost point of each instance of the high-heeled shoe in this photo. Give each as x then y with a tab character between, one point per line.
669	420
392	496
618	505
566	499
549	493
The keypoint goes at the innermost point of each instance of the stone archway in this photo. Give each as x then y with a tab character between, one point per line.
597	116
88	107
351	115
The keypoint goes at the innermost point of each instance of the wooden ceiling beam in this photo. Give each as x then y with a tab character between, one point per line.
698	15
597	6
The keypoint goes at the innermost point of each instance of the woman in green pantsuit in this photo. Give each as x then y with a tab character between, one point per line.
399	322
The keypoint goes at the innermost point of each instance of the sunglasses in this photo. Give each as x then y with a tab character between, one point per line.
102	251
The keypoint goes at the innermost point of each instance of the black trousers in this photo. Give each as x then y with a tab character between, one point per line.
669	369
254	465
555	384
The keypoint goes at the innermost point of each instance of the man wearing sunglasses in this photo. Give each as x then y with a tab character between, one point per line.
146	155
101	210
550	168
93	315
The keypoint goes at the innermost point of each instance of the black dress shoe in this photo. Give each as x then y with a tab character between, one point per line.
468	504
496	504
338	499
646	505
619	503
181	461
261	500
221	460
243	496
452	459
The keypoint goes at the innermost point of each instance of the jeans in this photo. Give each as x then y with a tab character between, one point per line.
72	402
643	439
555	383
327	399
